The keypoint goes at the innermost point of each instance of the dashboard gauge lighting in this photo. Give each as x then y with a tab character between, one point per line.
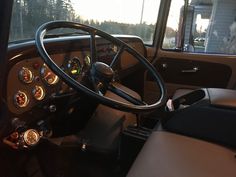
87	60
21	99
31	137
38	92
115	48
48	76
74	67
26	75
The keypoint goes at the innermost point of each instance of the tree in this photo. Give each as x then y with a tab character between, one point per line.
170	32
28	15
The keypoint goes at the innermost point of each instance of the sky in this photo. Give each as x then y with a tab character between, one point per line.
129	11
202	24
117	10
174	15
173	19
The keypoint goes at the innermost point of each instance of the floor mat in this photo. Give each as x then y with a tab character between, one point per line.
58	161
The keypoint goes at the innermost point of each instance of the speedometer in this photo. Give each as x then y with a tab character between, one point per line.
74	67
48	76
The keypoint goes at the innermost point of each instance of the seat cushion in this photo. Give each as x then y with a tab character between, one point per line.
171	155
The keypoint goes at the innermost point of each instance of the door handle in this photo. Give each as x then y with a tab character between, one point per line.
194	70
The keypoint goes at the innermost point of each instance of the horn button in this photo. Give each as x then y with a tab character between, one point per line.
102	72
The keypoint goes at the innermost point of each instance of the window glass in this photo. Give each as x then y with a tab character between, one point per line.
135	17
170	39
210	27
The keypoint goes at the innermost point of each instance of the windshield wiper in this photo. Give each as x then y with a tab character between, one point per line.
65	34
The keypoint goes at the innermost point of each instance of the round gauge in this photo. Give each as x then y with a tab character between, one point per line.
115	48
26	75
21	99
38	92
48	76
74	67
87	60
31	137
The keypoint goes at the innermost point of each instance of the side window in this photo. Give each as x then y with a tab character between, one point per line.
203	27
173	24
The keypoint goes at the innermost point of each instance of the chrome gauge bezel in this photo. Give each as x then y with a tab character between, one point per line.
22	76
42	92
26	102
74	67
31	137
87	60
44	72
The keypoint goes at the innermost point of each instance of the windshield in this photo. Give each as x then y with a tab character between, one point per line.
134	17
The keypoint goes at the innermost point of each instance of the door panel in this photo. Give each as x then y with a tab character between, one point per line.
195	73
177	70
197	47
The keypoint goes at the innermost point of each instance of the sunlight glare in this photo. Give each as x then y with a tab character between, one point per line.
123	11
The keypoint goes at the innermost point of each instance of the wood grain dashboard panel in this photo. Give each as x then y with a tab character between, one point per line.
26	55
14	84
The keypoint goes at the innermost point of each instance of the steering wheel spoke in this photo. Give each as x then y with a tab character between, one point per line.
117	56
123	94
93	48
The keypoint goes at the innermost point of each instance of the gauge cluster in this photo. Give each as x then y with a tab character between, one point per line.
31	81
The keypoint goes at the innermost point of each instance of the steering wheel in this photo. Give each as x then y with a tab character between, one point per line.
100	74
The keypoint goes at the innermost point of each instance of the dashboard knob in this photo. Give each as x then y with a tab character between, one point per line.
17	123
52	108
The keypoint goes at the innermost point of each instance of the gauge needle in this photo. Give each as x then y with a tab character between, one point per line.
48	74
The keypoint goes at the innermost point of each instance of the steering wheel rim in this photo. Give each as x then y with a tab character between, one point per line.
39	36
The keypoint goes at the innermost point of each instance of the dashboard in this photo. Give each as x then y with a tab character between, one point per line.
30	82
